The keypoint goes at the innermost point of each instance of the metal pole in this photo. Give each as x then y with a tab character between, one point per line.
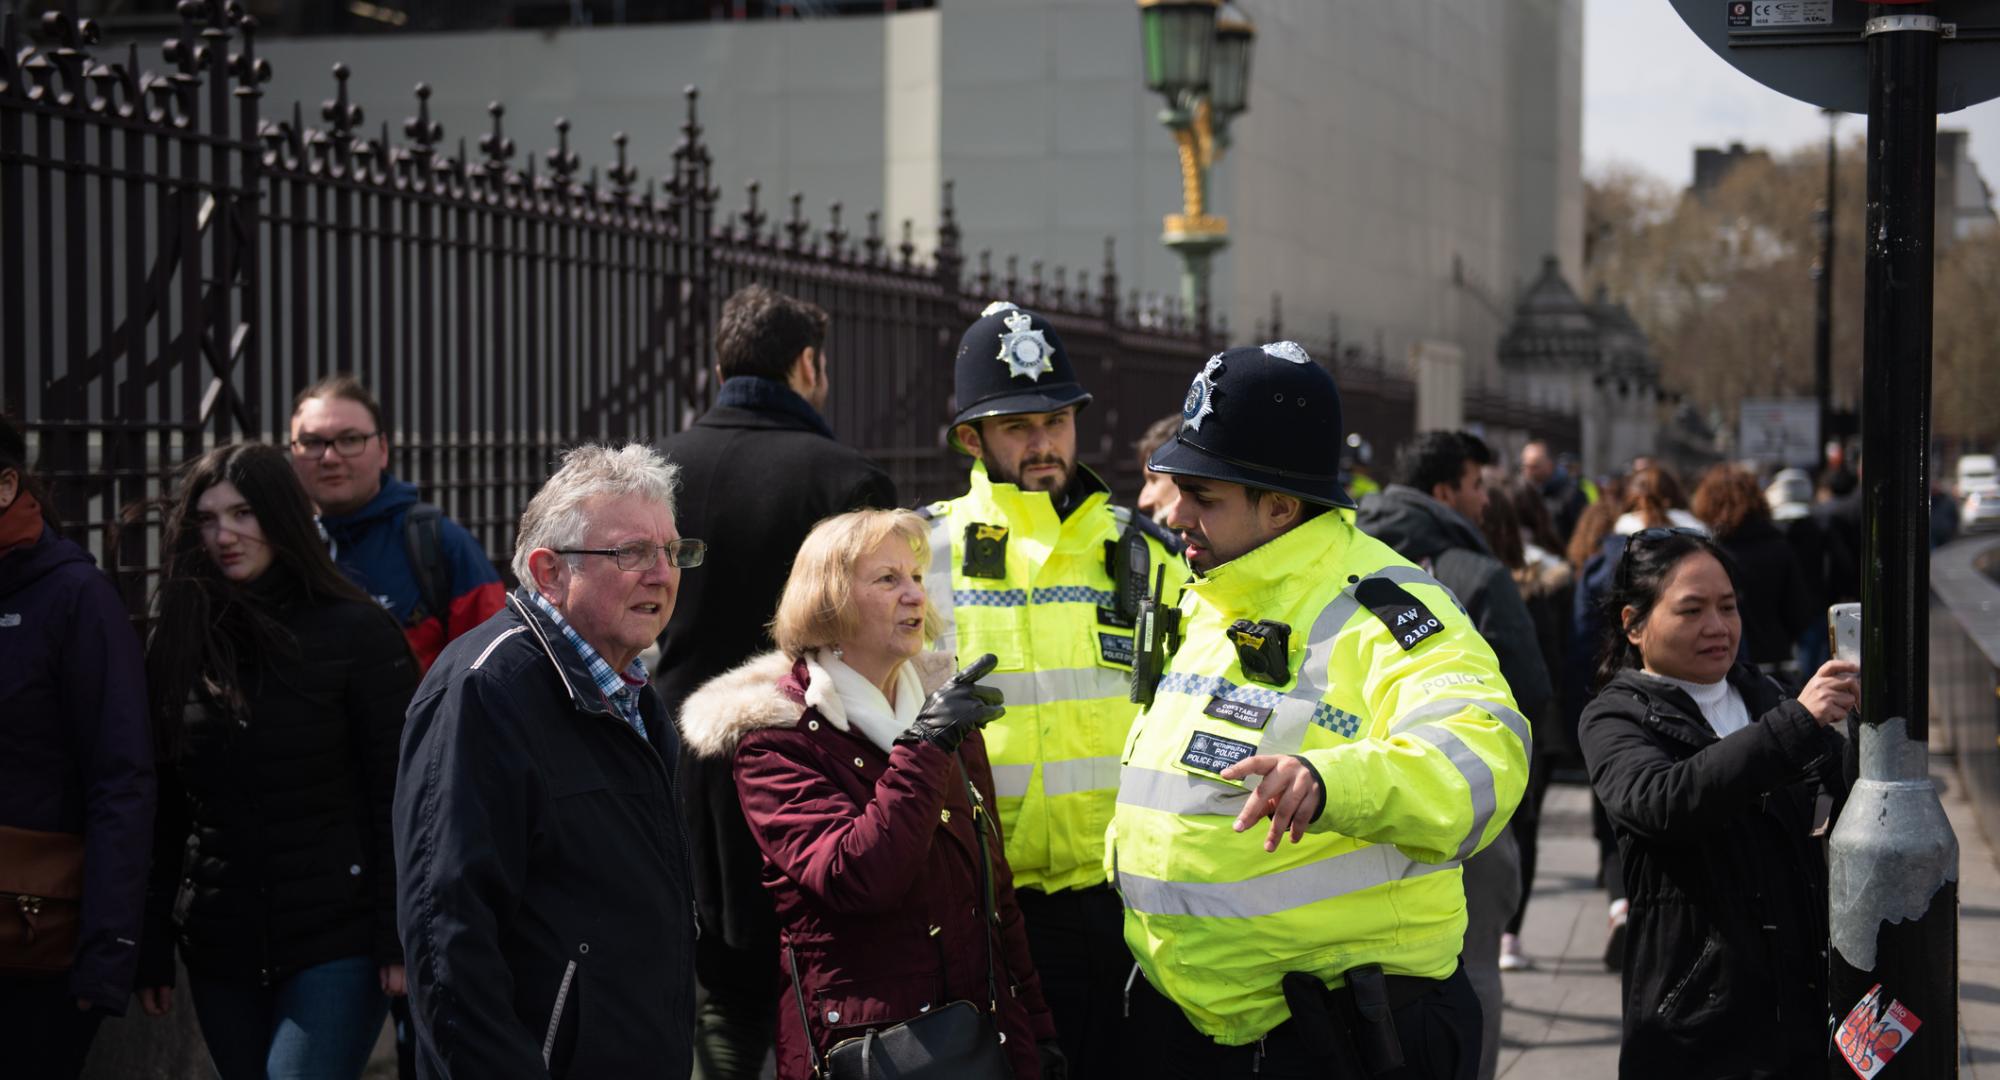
1894	860
1823	315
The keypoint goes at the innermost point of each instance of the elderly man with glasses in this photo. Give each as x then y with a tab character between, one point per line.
542	861
420	565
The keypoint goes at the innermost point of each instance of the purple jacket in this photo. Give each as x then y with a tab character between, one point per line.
873	863
76	752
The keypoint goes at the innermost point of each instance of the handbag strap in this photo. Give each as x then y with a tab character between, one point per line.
989	919
805	1018
989	922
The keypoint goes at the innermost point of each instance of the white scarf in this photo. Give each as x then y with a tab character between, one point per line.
850	702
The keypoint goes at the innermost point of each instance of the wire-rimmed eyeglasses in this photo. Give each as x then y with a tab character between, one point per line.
637	555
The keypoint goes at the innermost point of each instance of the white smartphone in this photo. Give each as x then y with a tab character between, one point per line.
1843	626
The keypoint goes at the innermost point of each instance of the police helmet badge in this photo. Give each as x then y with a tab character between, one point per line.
1288	350
1201	395
1024	349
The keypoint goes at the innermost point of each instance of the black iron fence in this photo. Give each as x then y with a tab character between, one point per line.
176	263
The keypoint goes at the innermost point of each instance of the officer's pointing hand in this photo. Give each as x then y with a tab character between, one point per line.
1289	795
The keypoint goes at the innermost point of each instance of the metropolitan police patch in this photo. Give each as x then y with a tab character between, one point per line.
1213	753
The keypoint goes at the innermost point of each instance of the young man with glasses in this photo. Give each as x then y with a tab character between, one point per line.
420	565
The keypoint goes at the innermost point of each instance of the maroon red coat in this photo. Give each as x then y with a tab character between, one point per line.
873	864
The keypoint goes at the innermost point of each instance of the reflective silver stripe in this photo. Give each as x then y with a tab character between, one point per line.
1011	781
1079	775
1178	793
1070	777
494	644
1287	730
937	582
1377	864
1060	684
1478	777
1438	710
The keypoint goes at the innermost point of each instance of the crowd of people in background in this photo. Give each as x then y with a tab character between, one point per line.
263	793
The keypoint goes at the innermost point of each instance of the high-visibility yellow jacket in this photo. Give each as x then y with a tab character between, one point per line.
1420	752
1065	661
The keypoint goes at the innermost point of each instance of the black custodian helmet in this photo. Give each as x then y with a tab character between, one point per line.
1011	362
1264	417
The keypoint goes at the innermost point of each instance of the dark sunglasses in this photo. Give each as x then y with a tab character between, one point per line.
1661	532
1656	534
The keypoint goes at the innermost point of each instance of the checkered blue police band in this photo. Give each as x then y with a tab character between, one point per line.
1214	686
622	691
1053	594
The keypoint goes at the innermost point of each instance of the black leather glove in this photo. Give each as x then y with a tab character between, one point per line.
960	707
1054	1065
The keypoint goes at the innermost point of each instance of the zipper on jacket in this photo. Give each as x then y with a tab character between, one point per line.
555	1014
1674	995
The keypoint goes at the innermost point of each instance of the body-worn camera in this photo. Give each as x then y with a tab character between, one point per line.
1263	650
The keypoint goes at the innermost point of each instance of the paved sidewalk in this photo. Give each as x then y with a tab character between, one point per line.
1562	1017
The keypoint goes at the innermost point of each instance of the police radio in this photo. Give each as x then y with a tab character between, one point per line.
1156	637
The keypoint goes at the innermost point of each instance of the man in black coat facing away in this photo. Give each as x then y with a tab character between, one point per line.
757	472
1430	514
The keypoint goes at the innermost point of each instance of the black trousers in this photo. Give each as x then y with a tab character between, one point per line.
43	1035
1077	937
737	1020
1439	1033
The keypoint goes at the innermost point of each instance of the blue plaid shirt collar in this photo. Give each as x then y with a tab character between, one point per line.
621	690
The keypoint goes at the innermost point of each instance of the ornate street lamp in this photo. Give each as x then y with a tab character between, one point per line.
1198	58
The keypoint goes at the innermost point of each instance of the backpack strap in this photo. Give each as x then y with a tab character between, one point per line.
423	545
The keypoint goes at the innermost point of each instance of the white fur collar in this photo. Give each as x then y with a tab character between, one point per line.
744	699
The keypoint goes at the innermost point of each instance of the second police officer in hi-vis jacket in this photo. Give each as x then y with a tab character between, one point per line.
1036	566
1312	677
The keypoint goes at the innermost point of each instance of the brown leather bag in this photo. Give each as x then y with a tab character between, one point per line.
41	900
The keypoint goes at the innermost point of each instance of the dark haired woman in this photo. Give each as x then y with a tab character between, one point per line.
278	691
76	783
1710	776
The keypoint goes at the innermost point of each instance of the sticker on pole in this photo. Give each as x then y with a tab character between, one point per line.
1781	13
1870	1038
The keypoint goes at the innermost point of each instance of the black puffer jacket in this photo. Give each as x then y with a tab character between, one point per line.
273	851
1725	961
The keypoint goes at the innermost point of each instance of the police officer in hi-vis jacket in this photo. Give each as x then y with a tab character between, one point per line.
1034	565
1328	740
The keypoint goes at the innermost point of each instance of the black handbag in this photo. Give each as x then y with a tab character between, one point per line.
959	1041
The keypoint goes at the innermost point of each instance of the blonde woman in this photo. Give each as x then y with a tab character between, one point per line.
854	785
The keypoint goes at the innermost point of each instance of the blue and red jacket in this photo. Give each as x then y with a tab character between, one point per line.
369	545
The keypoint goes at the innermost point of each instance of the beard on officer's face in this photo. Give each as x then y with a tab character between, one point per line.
1041	471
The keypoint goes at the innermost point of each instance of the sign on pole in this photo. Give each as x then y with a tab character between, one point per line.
1779	431
1814	50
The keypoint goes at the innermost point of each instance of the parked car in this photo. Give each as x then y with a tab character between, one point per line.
1981	510
1978	493
1976	472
